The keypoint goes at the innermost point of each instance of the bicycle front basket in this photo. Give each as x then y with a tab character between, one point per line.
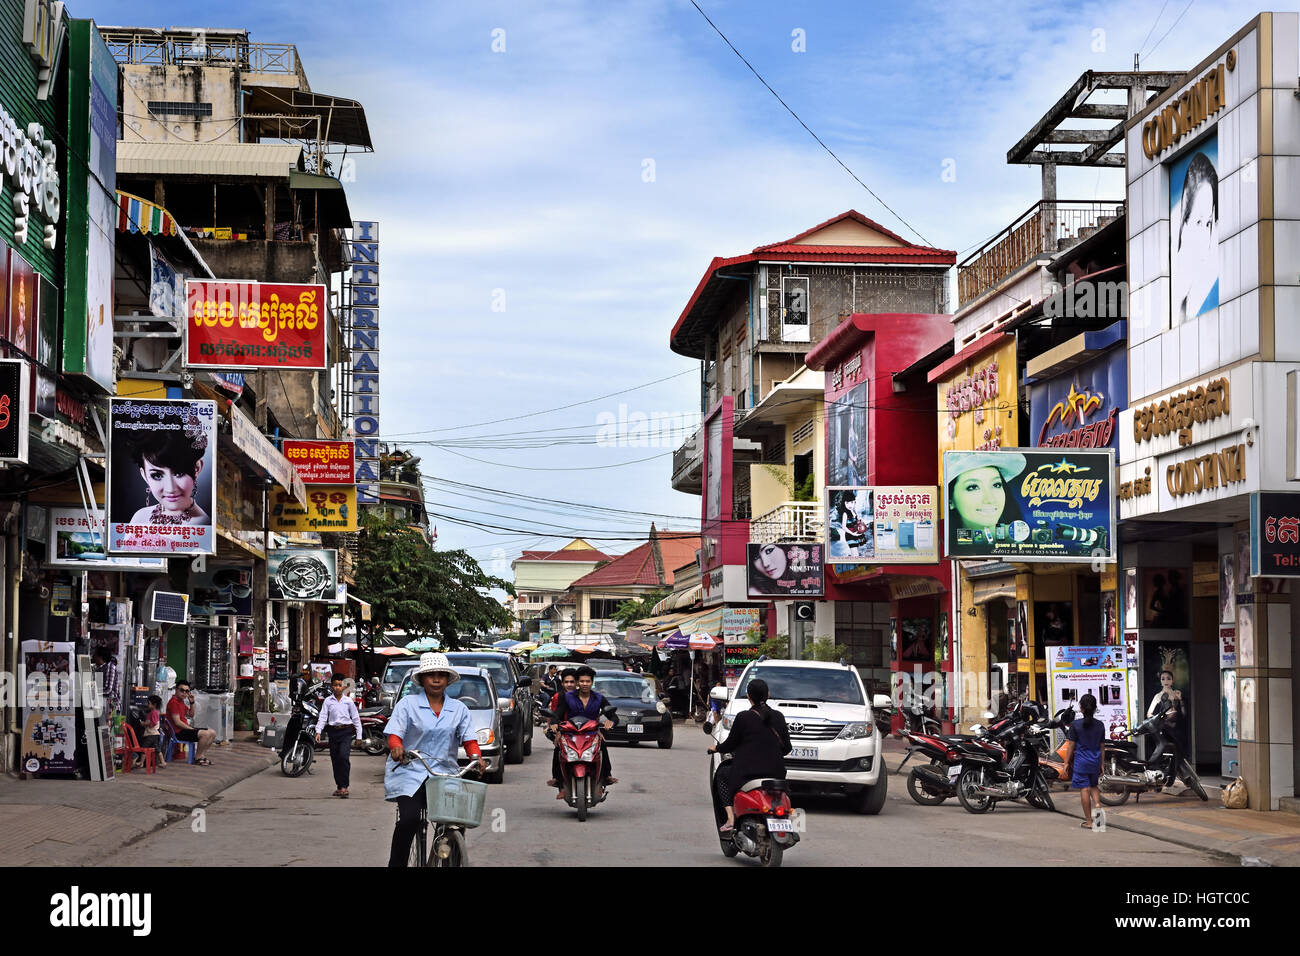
456	800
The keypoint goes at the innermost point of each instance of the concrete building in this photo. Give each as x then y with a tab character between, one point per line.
542	577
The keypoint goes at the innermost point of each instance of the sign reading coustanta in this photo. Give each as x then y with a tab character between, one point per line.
1027	504
254	324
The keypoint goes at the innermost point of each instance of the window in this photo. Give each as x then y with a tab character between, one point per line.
177	108
862	631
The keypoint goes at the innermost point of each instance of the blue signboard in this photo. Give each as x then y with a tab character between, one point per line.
1080	408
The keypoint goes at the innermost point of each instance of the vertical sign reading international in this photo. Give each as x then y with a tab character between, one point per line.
363	259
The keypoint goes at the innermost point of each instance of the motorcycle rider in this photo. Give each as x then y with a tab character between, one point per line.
435	725
583	702
568	679
759	742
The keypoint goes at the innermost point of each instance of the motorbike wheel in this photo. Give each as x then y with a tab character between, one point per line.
728	847
770	854
918	791
1041	795
581	789
297	759
1113	796
374	744
970	799
1193	781
455	841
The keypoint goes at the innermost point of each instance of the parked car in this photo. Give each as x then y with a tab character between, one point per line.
395	670
642	713
476	691
513	697
837	745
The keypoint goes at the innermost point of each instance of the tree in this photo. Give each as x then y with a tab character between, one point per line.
424	592
634	609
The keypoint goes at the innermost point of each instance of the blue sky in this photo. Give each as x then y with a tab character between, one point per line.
516	177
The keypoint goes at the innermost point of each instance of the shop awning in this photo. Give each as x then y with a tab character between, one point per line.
677	600
331	198
992	589
140	215
256	452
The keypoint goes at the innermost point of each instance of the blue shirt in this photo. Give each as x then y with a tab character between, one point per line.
437	736
1087	744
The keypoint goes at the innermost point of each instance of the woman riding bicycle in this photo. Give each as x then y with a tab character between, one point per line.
436	726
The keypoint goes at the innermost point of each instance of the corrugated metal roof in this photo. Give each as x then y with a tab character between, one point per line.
262	160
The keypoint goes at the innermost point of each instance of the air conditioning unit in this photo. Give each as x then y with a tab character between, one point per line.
169	607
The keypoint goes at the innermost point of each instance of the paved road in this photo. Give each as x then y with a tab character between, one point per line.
658	815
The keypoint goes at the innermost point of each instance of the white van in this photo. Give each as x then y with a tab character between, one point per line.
837	746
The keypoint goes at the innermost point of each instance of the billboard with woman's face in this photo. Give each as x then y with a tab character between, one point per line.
850	536
1194	232
161	476
794	570
1027	504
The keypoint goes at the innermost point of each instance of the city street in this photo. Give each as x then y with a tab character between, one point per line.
658	815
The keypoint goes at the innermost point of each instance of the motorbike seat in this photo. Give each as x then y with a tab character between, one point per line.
763	785
1123	744
371	712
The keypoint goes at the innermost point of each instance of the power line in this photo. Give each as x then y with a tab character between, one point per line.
1175	23
648	514
1143	47
502	464
805	125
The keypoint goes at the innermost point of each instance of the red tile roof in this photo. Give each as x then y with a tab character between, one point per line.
572	555
637	567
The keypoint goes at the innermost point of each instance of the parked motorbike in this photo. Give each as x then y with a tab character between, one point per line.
581	759
1124	773
1006	764
931	785
299	747
765	826
374	737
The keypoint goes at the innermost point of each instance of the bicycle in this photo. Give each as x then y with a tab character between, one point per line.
445	847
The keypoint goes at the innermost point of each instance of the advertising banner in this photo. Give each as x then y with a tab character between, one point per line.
166	288
1100	671
980	402
737	622
1275	535
792	570
161	476
1194	232
1167	676
735	659
794	309
906	524
1026	504
15	409
322	462
850	534
251	325
303	574
328	508
74	543
1227	646
49	741
222	589
846	394
1080	409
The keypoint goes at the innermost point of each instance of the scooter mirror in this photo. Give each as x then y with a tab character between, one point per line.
720	693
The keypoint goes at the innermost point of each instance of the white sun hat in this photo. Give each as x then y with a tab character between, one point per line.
431	663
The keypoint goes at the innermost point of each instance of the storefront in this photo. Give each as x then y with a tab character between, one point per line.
1214	364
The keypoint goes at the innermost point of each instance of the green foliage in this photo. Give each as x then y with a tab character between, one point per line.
425	592
777	648
822	649
634	609
807	489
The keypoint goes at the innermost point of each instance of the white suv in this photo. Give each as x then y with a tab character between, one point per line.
837	746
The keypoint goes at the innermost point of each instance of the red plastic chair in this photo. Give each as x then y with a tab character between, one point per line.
131	747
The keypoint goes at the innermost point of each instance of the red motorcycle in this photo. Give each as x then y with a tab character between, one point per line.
581	761
765	823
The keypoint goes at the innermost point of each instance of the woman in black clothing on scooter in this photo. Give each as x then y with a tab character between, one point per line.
758	742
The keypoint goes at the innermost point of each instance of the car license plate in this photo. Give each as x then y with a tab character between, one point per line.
779	826
803	753
635	729
954	771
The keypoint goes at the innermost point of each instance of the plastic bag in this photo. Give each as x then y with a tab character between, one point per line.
1235	796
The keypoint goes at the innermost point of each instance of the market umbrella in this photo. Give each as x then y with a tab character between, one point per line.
422	644
676	641
385	650
584	649
550	650
623	648
506	645
523	648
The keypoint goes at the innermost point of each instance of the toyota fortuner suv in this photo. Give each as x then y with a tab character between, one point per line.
837	745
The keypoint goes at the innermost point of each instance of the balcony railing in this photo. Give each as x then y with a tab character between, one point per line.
689	455
1046	228
192	48
789	521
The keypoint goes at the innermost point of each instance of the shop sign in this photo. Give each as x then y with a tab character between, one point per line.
328	508
49	740
30	169
979	404
363	342
303	574
906	524
15	409
1206	472
1081	409
1101	671
265	455
43	28
76	542
1029	504
255	325
737	622
161	487
1275	534
1203	99
785	570
322	462
1177	413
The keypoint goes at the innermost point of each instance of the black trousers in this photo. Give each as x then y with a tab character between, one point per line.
341	753
408	825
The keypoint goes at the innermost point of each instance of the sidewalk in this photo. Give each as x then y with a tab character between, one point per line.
65	822
1247	837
